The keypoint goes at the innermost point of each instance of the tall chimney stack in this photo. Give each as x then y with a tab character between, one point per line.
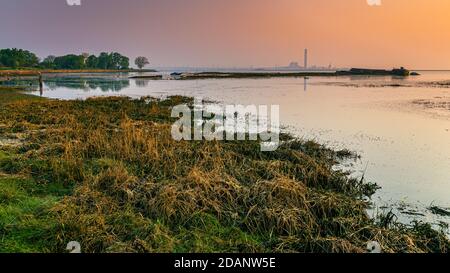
306	58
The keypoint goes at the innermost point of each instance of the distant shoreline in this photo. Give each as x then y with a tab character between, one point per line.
35	72
259	75
237	75
202	75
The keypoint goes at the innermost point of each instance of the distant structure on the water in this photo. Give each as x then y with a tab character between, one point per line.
294	65
306	58
376	72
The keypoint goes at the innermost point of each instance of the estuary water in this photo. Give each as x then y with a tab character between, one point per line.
399	126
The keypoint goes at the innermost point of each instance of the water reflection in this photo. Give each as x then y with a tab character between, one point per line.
29	84
105	85
142	82
377	78
42	84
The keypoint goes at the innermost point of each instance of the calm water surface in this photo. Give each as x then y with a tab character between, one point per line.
400	127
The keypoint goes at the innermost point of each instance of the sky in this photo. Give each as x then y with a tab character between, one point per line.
236	33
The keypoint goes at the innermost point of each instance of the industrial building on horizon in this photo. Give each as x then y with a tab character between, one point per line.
306	58
294	66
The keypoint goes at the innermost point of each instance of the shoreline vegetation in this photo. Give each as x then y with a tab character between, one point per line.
16	62
36	72
106	173
20	63
402	72
13	74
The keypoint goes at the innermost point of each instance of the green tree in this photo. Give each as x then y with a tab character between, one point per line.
15	58
112	60
124	63
92	62
118	61
70	61
103	61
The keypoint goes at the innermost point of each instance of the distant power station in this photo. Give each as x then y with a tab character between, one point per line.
297	66
306	58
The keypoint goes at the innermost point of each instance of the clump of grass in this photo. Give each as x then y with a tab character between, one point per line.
126	186
280	206
10	95
25	225
439	211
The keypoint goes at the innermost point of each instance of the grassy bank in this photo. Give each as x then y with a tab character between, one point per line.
106	172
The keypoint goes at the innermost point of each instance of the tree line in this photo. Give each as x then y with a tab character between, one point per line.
19	58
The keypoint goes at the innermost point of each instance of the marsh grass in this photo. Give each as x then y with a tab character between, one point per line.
106	172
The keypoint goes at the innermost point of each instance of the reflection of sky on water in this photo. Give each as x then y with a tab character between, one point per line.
406	148
85	84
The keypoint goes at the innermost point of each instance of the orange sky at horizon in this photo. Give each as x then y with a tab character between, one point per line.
412	33
226	33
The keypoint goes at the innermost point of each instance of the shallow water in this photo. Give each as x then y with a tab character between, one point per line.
400	127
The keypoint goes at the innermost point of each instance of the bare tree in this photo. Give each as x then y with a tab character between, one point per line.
85	57
49	59
141	62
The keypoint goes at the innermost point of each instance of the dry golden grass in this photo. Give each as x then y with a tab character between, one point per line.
134	189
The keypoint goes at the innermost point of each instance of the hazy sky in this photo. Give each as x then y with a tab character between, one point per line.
413	33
